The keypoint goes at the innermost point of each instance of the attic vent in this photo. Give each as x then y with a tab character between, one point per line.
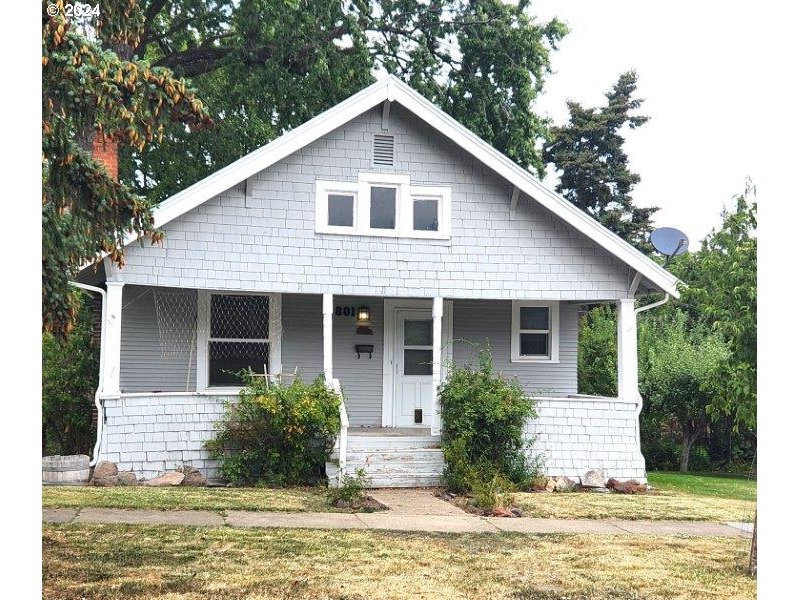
383	150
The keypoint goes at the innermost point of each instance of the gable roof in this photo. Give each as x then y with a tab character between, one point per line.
394	90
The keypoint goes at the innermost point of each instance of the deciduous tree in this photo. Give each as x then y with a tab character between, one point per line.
266	66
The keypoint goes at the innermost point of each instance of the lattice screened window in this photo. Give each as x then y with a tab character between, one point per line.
238	337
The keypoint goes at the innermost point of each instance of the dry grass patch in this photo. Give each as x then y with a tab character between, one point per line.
295	499
117	561
652	506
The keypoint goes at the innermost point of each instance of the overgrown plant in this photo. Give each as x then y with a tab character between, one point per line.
352	488
277	434
483	420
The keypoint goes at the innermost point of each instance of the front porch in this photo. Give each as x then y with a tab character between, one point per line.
169	354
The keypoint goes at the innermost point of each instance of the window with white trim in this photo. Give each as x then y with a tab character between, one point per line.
383	204
239	334
534	331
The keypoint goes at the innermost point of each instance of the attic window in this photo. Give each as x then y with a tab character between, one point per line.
383	150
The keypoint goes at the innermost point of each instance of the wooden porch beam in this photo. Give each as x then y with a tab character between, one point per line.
436	370
627	361
112	337
327	337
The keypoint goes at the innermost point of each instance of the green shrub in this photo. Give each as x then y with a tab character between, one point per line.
277	434
352	488
69	381
483	420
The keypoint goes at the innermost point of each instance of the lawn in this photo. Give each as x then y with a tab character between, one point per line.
681	496
117	561
678	496
711	485
302	499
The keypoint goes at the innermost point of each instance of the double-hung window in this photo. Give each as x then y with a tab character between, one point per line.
534	331
336	207
383	204
237	332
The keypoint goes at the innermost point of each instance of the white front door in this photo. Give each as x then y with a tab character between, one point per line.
413	352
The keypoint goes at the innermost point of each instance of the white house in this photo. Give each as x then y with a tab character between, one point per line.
376	243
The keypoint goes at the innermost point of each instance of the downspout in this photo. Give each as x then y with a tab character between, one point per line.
97	402
640	400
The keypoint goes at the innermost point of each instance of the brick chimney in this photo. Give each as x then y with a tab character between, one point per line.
107	153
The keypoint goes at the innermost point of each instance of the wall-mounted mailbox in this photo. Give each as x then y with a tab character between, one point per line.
365	349
417	415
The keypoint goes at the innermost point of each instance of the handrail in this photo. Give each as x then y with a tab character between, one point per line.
344	424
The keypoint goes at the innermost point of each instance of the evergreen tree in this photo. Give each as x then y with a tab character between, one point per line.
588	152
88	90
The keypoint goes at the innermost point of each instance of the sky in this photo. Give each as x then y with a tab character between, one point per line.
701	73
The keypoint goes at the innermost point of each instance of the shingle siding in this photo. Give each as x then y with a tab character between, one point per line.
151	361
476	322
301	349
267	242
573	435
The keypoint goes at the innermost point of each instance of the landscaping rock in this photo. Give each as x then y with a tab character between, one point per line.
105	481
166	480
502	512
565	484
540	484
193	477
340	503
105	469
127	478
594	478
550	485
517	512
626	487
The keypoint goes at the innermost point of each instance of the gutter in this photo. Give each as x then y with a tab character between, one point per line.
664	300
97	402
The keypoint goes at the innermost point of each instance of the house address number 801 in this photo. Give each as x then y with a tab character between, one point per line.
345	311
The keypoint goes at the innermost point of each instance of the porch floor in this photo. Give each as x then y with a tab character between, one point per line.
390	431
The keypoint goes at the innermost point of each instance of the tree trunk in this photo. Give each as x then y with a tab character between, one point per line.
690	435
754	550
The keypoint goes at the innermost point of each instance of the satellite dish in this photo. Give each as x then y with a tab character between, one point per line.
669	241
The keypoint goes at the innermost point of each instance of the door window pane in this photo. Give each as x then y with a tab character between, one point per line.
534	317
418	333
226	359
241	317
340	210
426	215
417	362
534	344
382	207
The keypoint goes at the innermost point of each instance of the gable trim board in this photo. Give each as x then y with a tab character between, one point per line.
392	89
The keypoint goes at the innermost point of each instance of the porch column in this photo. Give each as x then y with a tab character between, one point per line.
627	361
112	339
327	337
436	371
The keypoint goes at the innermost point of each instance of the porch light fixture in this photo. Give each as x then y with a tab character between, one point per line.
362	315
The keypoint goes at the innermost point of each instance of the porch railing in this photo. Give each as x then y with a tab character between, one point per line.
344	424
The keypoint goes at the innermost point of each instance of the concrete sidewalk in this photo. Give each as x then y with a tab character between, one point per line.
445	523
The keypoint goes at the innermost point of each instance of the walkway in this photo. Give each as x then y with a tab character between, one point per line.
390	520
